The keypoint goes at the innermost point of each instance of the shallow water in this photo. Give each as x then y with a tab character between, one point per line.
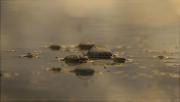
136	30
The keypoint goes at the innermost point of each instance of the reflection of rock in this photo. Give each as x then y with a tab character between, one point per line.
86	45
72	63
99	52
54	69
84	72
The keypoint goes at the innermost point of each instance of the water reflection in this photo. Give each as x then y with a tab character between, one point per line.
84	71
72	63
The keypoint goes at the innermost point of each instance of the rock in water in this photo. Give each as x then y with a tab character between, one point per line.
75	58
55	47
86	45
99	52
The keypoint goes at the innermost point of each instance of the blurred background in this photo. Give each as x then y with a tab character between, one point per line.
67	21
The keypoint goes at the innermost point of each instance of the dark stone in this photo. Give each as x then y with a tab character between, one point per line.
55	47
86	45
99	52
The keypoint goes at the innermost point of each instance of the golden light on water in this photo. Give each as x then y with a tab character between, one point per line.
144	32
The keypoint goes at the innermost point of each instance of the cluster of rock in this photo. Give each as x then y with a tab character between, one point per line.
95	52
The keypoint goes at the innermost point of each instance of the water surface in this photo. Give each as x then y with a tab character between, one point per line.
137	30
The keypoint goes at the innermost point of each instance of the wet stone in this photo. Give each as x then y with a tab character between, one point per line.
75	58
99	52
54	47
86	45
161	57
30	55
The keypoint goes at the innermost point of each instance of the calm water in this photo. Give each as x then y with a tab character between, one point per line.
141	29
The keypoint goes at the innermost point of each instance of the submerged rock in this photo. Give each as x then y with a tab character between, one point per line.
86	45
99	52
